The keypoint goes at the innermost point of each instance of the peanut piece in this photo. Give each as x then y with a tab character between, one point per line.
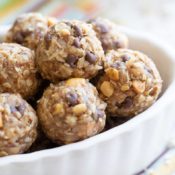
112	73
61	29
26	73
51	21
75	81
14	150
146	93
29	82
107	88
6	85
3	153
79	109
125	87
58	108
71	120
136	72
138	86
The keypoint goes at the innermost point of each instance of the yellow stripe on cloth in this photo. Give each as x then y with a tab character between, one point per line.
11	6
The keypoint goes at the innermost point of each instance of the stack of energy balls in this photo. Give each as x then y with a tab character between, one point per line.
80	73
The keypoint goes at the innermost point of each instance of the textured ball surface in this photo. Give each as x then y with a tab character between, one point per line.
130	83
71	111
69	49
18	71
18	123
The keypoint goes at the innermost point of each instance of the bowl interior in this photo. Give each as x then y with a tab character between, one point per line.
164	60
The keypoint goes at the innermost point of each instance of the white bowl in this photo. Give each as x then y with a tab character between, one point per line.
123	150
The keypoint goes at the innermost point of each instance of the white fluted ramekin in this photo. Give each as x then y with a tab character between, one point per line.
123	150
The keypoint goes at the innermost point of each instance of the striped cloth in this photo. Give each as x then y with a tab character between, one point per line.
10	9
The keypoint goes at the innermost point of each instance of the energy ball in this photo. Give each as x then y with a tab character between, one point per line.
108	33
18	71
69	49
130	84
28	29
18	123
71	111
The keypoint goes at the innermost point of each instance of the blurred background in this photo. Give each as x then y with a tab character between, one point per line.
153	16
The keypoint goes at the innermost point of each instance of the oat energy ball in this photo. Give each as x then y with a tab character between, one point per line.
28	29
108	33
71	111
18	72
69	49
131	83
18	123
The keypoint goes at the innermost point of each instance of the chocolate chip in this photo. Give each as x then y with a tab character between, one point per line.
77	31
18	38
92	20
103	29
48	39
118	65
100	113
20	108
125	58
72	99
148	70
127	102
90	57
68	23
105	45
77	43
26	33
117	44
13	109
71	60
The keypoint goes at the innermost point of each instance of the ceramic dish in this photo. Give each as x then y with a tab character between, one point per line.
123	150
